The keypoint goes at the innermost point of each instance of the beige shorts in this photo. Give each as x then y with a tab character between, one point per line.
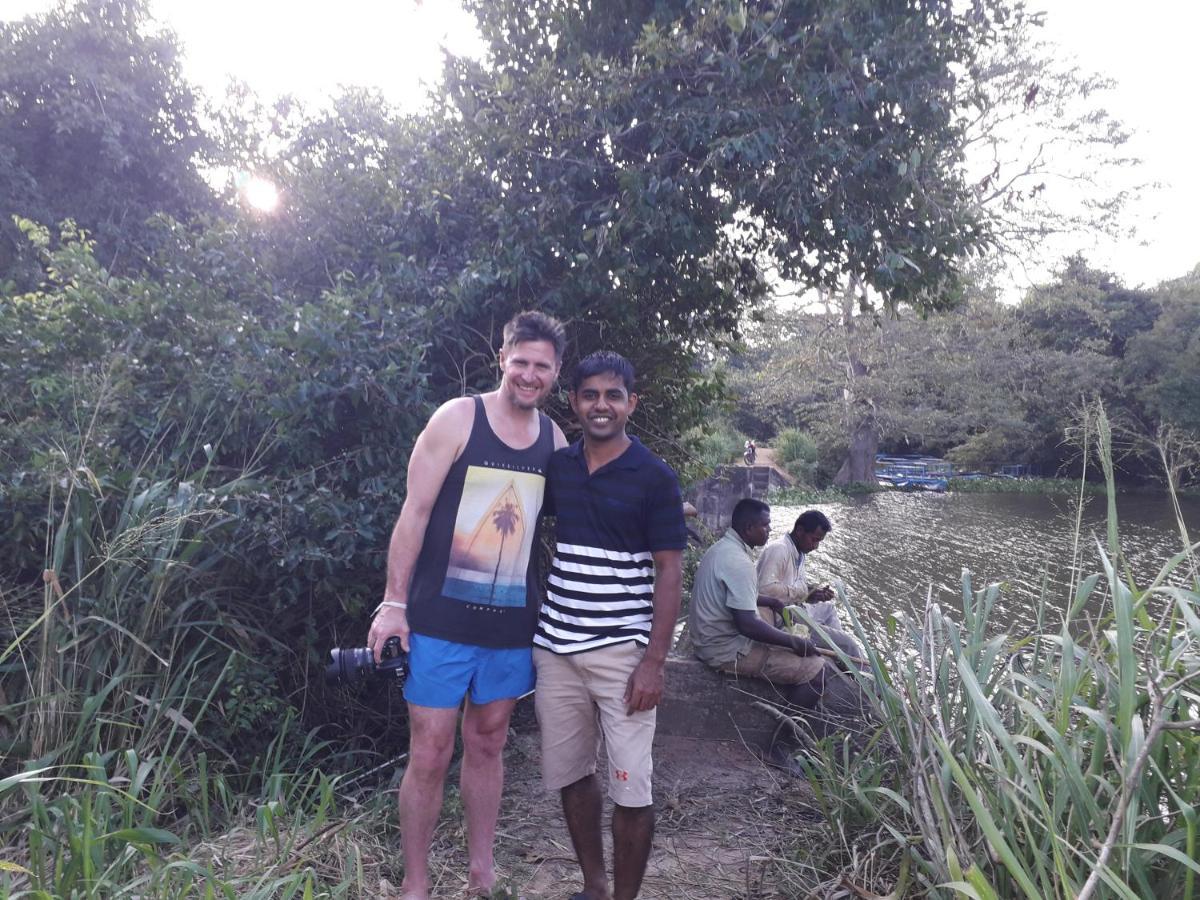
775	664
580	697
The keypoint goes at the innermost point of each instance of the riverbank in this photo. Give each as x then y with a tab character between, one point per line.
976	714
1055	486
801	494
986	773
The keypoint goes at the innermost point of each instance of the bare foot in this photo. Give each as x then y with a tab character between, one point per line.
481	882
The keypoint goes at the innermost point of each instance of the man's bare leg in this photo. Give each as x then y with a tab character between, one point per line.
633	832
485	730
430	744
583	806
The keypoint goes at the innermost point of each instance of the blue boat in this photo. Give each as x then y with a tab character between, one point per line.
914	473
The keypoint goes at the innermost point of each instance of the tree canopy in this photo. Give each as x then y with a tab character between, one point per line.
988	383
97	124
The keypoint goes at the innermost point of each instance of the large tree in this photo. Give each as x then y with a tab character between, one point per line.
820	138
670	159
1046	163
97	125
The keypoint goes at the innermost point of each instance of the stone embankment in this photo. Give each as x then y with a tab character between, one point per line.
715	496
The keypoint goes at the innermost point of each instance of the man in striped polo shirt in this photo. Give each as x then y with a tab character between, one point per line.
606	624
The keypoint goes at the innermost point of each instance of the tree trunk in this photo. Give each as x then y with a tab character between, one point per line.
859	464
858	410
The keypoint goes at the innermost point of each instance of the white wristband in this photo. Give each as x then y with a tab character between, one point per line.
391	604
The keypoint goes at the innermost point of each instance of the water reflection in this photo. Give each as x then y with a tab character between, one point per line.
892	548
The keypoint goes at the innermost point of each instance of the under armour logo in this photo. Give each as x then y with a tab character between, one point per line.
621	774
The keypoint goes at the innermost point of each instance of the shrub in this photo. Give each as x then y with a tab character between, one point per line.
796	451
715	444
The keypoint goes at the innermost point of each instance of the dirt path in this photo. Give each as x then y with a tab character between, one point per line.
722	827
765	456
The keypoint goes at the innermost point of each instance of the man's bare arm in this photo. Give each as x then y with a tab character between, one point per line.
436	449
645	686
560	439
750	625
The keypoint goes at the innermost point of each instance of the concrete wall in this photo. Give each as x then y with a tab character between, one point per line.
700	703
716	496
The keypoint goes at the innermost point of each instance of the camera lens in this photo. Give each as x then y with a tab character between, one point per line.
349	666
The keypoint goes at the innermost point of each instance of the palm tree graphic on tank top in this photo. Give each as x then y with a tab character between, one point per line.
490	552
505	520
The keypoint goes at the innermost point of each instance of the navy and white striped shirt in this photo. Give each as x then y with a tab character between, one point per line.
610	523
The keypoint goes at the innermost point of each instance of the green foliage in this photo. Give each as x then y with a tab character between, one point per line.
987	384
808	496
96	125
1087	309
164	826
665	126
713	445
141	731
797	453
1022	486
1161	364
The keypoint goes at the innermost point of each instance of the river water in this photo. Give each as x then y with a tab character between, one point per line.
891	549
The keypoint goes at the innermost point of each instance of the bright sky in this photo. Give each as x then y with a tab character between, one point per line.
1149	49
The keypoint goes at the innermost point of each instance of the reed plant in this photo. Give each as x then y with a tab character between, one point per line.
1058	762
120	774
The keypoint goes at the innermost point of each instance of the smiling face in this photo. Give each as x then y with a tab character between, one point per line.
527	373
603	405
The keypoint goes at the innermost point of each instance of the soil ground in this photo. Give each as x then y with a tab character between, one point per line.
725	826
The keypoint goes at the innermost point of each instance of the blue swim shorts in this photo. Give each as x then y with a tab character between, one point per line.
440	673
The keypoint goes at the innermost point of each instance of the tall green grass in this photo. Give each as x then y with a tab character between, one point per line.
797	453
1058	762
117	778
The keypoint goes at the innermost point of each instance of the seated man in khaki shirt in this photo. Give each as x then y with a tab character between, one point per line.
781	578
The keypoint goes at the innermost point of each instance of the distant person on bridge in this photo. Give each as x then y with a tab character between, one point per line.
750	453
781	578
729	634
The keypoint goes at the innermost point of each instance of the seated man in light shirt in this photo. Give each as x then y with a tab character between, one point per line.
781	578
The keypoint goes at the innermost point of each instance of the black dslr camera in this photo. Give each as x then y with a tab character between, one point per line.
354	665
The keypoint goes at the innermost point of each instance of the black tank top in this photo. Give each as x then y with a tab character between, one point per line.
476	578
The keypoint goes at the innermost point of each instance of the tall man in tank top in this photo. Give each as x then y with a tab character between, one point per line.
460	592
607	623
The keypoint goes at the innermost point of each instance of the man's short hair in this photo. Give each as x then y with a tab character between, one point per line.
812	520
600	363
747	512
532	325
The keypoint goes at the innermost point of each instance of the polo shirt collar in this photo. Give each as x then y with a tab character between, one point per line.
632	457
736	538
